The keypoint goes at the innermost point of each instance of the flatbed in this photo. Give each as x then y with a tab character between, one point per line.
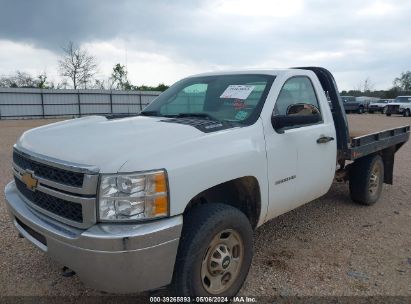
362	143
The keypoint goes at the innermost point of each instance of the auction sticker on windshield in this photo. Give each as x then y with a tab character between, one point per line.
237	91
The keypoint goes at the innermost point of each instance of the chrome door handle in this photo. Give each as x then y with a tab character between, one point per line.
324	139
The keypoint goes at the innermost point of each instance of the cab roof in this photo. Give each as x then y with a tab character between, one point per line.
273	72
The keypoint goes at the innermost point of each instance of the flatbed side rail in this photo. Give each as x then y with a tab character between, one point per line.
370	143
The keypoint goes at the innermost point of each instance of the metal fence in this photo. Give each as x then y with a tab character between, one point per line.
18	103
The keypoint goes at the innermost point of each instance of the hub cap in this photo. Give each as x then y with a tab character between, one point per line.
374	180
222	262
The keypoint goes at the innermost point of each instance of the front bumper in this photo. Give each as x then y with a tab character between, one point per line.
394	110
120	258
375	108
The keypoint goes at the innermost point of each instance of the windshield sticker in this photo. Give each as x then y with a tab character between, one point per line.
241	115
237	91
239	104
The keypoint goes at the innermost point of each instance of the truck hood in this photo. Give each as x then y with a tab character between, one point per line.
106	144
378	104
398	103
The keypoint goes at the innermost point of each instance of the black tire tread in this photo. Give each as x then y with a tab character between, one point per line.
197	222
359	178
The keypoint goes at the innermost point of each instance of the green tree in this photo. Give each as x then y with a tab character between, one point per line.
391	93
119	78
161	87
42	83
404	81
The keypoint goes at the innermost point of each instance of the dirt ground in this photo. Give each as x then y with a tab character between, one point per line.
329	247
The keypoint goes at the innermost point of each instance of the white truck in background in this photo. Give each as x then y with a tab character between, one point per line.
172	196
401	105
379	106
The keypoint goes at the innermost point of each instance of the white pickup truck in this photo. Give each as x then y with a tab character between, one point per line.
172	196
400	105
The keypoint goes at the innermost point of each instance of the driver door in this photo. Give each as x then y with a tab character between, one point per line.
300	168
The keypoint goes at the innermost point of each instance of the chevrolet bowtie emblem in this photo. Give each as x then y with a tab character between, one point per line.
29	180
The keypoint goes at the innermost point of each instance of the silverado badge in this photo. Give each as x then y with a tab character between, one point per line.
29	180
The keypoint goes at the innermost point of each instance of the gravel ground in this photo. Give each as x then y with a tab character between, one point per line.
329	247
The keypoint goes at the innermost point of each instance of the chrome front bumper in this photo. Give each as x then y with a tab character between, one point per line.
120	258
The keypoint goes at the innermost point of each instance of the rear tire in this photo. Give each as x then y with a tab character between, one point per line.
360	110
215	252
366	179
388	114
407	113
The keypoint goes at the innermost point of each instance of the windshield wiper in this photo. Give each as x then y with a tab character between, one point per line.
185	114
179	115
196	115
149	113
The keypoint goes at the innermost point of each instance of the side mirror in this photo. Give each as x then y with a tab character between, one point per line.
280	122
298	115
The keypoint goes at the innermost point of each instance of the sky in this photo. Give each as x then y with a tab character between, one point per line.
163	41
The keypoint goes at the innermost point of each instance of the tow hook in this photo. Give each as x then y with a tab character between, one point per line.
67	272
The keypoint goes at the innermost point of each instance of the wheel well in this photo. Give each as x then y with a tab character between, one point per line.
242	193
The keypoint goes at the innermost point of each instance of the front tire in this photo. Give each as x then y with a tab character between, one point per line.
407	113
215	252
366	177
360	110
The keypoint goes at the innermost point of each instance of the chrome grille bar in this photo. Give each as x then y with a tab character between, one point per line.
85	195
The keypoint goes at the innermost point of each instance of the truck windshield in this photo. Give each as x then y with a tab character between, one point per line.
348	98
230	98
403	99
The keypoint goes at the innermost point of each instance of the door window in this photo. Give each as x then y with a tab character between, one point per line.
297	90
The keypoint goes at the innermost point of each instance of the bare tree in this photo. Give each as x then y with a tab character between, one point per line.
99	84
62	85
77	65
366	85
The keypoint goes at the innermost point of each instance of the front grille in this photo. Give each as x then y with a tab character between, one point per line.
61	176
69	210
393	109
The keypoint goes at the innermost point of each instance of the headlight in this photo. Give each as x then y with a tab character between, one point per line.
133	196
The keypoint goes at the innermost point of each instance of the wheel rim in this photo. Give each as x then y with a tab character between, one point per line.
222	261
374	183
